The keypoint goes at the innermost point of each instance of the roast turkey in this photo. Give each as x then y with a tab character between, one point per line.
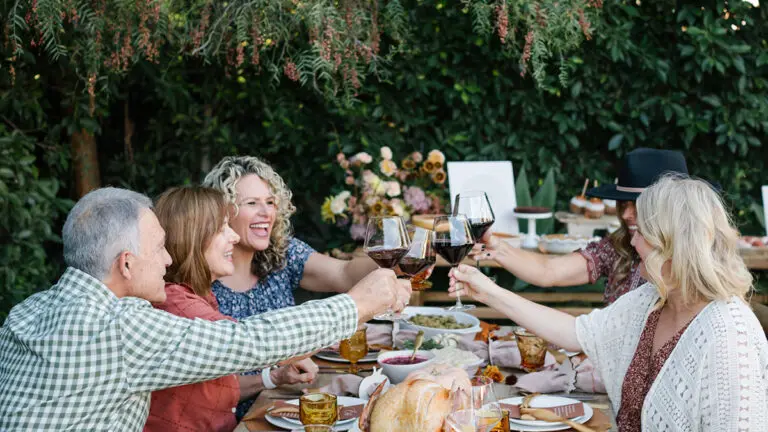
420	403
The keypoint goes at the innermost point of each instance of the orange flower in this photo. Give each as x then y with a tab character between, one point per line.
428	167
439	177
377	208
438	165
408	164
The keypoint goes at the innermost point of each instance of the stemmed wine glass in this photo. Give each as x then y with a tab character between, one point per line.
453	241
354	349
483	414
421	254
476	206
386	241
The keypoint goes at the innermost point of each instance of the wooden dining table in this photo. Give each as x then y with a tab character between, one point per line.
602	420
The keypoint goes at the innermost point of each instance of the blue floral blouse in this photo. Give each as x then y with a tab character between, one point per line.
275	291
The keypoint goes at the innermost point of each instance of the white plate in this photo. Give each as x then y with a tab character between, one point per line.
336	357
339	426
546	401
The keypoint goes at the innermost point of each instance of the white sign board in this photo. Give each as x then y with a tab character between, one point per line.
765	208
497	180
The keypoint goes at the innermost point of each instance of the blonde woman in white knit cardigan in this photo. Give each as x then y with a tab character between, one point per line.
682	352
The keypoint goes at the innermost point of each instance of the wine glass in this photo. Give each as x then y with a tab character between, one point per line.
476	206
354	349
453	241
386	241
487	411
420	256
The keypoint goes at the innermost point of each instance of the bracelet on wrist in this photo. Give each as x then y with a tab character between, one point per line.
266	379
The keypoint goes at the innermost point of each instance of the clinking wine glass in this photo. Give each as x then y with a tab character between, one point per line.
421	254
453	240
354	349
386	242
476	206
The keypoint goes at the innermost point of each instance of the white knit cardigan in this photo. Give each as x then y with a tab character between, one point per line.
715	379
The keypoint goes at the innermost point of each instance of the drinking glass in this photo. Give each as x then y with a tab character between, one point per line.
533	350
487	411
476	206
314	428
318	408
453	241
420	256
354	349
386	241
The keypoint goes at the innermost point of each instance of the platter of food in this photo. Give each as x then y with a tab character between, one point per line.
435	320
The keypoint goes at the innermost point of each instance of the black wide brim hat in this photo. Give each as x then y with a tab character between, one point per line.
641	168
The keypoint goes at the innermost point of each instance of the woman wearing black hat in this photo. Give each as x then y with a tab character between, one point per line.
613	257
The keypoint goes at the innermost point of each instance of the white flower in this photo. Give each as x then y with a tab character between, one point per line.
397	207
363	158
386	153
338	205
369	177
344	195
393	189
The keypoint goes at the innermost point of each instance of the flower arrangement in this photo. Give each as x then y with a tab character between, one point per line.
382	188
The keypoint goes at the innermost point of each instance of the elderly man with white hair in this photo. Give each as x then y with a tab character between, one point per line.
86	353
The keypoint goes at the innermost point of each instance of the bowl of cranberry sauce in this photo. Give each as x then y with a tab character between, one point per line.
398	364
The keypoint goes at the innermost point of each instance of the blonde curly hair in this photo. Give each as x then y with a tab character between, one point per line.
224	177
685	222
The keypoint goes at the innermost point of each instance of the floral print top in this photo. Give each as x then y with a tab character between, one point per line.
601	258
275	291
643	370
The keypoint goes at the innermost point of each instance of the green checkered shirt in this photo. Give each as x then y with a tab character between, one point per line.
77	358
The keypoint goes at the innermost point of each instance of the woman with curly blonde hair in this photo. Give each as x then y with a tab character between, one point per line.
682	352
269	262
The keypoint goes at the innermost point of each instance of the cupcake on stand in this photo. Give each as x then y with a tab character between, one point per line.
579	202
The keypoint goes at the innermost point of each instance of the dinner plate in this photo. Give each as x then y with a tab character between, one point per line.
546	401
344	425
336	357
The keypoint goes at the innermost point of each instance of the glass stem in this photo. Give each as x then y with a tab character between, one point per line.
458	296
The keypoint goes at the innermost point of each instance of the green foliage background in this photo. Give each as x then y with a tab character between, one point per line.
658	74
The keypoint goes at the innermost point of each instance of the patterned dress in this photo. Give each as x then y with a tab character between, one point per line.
275	291
642	372
601	258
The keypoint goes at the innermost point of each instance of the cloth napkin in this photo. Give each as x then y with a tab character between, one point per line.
342	385
576	374
502	353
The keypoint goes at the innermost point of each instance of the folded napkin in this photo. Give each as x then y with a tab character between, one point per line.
578	373
566	411
502	353
342	385
286	410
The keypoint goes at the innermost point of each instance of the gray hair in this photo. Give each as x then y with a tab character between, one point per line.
103	224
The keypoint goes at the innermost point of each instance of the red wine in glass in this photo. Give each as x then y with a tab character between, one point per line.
386	241
476	206
386	258
413	266
453	241
453	253
479	227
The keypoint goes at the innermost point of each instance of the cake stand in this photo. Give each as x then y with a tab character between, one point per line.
531	240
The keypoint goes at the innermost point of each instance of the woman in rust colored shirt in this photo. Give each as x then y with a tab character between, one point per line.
200	241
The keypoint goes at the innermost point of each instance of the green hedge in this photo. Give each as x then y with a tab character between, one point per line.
657	75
